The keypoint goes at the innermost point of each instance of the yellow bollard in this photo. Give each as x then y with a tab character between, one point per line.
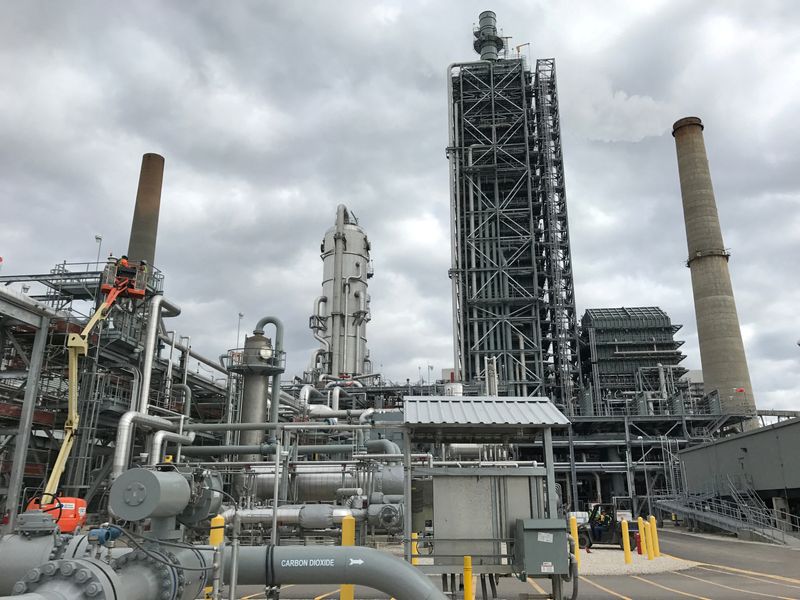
216	536
654	532
347	591
414	548
573	530
468	593
626	542
642	534
651	553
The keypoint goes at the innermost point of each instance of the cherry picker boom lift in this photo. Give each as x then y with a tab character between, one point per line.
117	281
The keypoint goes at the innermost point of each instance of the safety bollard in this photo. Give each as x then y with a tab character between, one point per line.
347	591
651	553
654	532
216	537
414	548
626	542
573	529
642	534
468	592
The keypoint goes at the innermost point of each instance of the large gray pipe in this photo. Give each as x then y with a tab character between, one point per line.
144	229
284	565
719	335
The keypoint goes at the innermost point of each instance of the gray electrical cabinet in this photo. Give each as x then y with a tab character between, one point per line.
541	548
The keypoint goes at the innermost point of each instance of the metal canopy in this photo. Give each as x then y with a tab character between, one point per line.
480	411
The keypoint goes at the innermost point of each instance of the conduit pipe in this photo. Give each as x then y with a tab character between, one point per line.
124	431
151	337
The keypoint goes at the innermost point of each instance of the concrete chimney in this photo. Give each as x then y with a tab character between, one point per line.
721	348
144	230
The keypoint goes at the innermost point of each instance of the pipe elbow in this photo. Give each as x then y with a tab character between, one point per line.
263	322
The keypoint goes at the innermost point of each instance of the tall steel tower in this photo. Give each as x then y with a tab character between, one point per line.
513	293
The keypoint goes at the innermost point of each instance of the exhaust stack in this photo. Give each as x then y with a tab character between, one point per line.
720	337
144	229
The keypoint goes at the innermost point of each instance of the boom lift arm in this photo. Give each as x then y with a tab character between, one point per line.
77	346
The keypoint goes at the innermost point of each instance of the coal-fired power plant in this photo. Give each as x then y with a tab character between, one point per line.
135	466
718	332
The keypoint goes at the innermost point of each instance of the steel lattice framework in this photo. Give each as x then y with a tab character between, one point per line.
513	293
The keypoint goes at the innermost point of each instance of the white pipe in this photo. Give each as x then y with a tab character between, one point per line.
161	436
124	431
151	339
346	315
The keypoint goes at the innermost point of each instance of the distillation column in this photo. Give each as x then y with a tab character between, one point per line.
720	338
342	312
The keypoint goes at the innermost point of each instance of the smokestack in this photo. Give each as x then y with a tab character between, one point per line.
721	348
144	230
487	42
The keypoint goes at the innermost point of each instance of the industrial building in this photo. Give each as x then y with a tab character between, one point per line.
133	467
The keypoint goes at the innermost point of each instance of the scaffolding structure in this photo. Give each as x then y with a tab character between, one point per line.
513	292
33	400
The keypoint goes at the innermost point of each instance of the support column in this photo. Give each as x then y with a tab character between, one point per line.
25	422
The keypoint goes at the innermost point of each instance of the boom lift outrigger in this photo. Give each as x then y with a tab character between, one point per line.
117	281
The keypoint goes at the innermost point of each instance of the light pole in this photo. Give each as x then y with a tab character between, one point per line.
238	329
99	239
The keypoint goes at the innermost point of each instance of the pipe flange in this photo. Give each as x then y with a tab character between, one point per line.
171	580
179	576
57	574
59	547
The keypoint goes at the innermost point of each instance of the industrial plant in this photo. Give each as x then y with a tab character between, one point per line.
128	473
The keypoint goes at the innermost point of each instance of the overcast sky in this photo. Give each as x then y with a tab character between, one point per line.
270	114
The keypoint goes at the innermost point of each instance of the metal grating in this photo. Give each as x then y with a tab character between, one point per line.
480	411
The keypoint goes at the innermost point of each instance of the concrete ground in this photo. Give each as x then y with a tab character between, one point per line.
725	569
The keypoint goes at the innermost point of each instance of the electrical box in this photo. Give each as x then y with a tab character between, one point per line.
541	548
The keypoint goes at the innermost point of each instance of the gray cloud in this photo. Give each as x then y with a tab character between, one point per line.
269	115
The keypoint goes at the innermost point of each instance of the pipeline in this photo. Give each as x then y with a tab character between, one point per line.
156	304
125	430
308	516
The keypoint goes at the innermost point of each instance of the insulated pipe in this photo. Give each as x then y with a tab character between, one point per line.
265	450
274	407
383	446
336	308
310	516
334	565
306	392
156	305
144	228
216	365
124	431
187	399
320	300
159	437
